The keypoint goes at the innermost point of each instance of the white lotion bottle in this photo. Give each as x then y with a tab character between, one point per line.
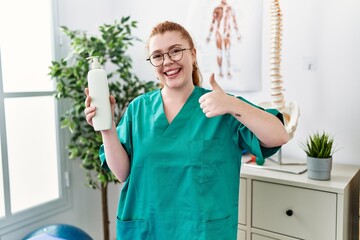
99	93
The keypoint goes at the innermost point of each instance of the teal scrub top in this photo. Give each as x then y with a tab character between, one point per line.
184	176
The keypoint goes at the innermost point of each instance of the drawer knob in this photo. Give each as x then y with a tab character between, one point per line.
289	212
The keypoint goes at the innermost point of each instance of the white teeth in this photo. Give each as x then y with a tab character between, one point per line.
172	72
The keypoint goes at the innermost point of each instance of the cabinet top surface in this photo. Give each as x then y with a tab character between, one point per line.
341	176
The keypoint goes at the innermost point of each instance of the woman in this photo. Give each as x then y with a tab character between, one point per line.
178	149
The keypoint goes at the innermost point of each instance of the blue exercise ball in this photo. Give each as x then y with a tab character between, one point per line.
63	231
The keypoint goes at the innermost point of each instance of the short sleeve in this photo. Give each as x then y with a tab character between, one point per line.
247	139
123	130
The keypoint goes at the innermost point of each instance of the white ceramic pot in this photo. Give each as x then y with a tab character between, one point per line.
319	168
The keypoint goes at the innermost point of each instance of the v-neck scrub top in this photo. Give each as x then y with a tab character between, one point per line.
184	176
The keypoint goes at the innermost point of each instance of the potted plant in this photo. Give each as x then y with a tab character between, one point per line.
319	148
70	75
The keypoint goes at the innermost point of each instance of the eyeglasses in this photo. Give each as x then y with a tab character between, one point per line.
175	54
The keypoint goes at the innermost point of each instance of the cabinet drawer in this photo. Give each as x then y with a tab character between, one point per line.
242	202
260	237
294	211
241	235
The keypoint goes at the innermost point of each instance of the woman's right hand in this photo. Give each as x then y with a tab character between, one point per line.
90	111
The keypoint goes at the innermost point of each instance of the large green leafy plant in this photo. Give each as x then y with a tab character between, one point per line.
70	75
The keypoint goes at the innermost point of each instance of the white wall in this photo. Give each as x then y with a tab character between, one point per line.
328	30
328	97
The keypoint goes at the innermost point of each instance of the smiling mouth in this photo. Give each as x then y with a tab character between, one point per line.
172	72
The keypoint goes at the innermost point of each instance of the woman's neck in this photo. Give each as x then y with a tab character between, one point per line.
177	94
173	100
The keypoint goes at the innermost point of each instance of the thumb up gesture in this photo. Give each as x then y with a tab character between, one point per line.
216	102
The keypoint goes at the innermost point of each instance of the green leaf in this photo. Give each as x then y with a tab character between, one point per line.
319	145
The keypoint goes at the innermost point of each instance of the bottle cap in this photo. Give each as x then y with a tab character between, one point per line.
95	62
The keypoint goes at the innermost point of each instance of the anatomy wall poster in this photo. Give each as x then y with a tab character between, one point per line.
227	36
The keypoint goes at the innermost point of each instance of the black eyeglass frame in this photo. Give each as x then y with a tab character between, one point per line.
163	56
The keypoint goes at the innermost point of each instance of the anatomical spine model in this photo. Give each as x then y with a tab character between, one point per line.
289	110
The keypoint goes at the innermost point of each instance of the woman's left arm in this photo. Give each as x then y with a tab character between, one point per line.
267	127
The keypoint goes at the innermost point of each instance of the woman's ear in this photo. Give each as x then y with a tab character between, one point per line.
194	52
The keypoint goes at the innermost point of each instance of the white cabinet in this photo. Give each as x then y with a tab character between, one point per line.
283	206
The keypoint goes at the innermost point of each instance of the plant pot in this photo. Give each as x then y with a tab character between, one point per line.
319	168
